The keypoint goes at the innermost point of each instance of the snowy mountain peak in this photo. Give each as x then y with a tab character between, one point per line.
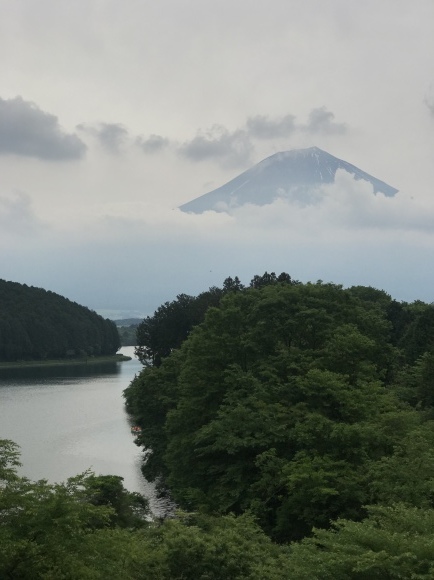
292	174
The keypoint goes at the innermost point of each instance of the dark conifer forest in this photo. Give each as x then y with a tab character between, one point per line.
37	324
292	424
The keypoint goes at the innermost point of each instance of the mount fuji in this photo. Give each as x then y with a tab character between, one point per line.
293	175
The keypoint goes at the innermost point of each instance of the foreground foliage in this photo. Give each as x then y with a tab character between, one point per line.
92	528
393	542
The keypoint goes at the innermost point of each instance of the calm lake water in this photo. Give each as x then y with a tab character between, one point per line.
69	419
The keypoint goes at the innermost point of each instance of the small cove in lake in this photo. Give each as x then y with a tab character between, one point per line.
67	419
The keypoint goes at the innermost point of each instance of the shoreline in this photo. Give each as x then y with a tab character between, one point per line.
63	362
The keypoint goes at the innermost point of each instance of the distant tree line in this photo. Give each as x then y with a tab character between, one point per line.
37	324
128	335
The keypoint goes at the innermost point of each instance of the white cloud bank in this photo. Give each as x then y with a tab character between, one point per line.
134	256
348	206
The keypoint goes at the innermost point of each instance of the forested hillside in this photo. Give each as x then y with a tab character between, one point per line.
297	403
294	424
36	324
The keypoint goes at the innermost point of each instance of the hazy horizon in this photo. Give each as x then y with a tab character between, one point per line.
113	115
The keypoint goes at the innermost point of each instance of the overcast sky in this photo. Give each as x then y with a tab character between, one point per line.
112	114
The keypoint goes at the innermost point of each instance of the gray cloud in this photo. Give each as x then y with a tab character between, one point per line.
234	148
230	148
28	131
262	127
153	143
110	135
219	144
322	121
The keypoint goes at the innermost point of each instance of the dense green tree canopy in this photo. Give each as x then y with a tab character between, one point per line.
289	401
37	324
393	542
172	322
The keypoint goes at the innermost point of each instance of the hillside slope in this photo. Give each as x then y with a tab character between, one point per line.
37	324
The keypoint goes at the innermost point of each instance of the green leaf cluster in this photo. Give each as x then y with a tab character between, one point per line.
393	542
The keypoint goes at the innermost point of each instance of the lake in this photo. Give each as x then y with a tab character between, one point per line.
70	419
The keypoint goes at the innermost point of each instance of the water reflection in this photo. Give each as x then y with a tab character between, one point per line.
43	374
70	419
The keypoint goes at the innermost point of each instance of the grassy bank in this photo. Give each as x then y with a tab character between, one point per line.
89	360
